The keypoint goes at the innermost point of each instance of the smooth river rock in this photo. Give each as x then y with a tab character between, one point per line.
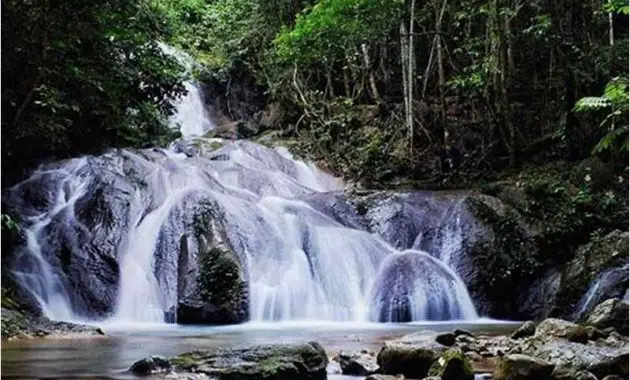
411	355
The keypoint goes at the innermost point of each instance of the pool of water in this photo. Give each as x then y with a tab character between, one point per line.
109	357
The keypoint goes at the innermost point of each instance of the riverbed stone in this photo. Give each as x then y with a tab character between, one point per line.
597	359
523	367
362	363
526	329
265	362
411	355
610	313
452	365
151	366
559	328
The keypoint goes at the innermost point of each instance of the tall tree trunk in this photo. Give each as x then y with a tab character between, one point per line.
410	76
404	56
441	75
368	69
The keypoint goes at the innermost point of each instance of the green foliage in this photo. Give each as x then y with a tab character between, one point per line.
332	27
616	100
8	224
617	6
81	76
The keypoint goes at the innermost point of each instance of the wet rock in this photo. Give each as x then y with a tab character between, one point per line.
523	367
382	377
598	271
599	360
151	366
558	328
447	339
610	313
526	329
452	365
268	362
211	285
358	363
411	355
412	275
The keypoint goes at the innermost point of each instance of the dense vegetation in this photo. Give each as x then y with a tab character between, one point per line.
79	76
380	91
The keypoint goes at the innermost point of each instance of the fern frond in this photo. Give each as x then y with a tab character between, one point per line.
591	103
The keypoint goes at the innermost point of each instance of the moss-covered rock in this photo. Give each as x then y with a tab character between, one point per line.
452	365
222	291
278	362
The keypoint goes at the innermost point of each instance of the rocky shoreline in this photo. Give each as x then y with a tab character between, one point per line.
18	325
552	349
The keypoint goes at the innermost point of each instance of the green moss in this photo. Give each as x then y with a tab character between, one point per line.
220	281
188	360
452	365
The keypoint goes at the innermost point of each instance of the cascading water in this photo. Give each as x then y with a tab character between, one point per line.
301	259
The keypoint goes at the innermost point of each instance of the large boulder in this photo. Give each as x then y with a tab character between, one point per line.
523	367
411	355
211	285
269	362
612	313
482	239
558	328
601	360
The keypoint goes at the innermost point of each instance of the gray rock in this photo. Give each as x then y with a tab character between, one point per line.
610	313
558	328
358	363
598	271
562	373
267	362
151	366
411	355
599	360
523	367
526	329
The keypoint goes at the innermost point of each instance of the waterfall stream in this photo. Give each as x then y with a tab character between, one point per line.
127	210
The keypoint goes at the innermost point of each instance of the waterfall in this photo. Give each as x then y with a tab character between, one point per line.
126	211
